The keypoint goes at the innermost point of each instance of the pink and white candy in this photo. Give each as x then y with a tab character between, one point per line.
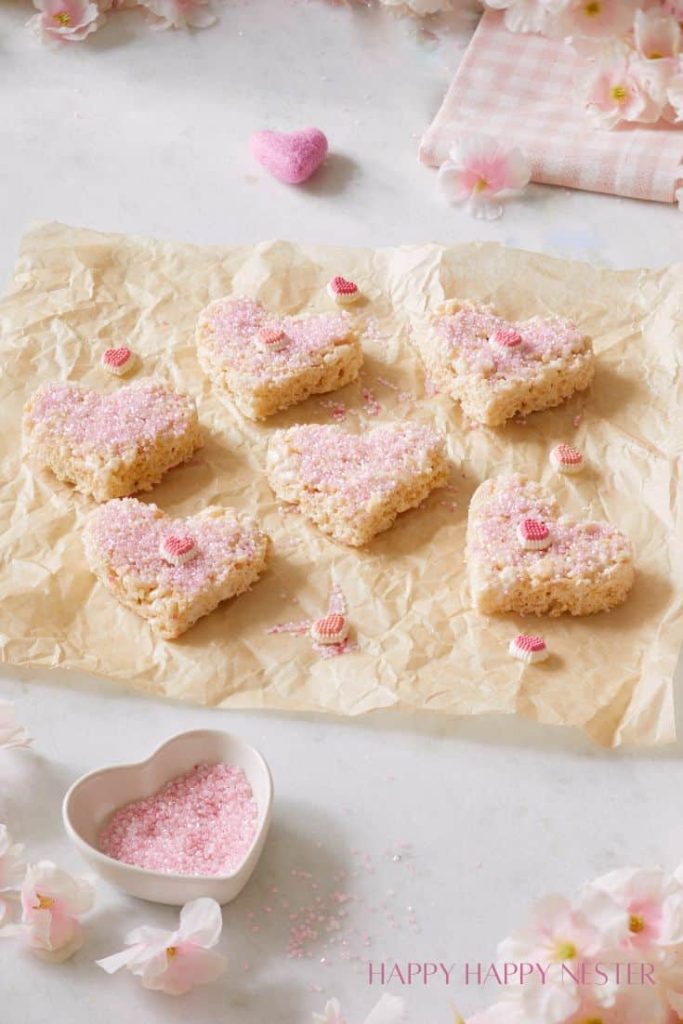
528	648
273	339
342	291
331	629
566	459
177	549
118	360
533	534
506	338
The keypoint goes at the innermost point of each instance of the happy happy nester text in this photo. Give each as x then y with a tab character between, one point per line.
436	972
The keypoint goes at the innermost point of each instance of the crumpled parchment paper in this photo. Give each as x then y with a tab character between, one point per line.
420	644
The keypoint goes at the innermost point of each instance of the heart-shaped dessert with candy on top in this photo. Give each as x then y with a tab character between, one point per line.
573	566
265	362
351	486
111	445
496	369
291	157
170	571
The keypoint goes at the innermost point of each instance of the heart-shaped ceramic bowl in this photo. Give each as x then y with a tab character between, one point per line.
95	796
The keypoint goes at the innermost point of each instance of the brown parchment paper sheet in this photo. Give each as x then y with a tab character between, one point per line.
421	646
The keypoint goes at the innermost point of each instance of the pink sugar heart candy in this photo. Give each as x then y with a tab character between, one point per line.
566	459
506	338
343	287
331	629
529	648
117	360
342	291
291	157
178	549
533	534
272	338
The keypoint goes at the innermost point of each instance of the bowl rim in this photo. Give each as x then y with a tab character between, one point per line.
148	873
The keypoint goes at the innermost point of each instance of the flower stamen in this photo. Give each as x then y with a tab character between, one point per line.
565	951
62	18
44	902
636	923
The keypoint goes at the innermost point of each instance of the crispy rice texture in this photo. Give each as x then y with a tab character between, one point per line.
323	354
122	541
111	446
354	487
587	568
554	361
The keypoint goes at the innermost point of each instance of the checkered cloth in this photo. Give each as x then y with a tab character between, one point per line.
523	88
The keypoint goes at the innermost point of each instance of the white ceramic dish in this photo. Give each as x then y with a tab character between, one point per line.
93	797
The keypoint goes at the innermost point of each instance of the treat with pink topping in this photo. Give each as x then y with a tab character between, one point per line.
112	445
582	567
496	369
265	362
127	546
353	487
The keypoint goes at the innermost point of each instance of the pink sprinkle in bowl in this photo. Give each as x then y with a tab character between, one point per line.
95	796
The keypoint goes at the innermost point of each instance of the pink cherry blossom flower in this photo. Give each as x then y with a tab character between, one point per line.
12	870
389	1010
180	13
66	20
646	908
530	15
657	36
12	863
11	734
674	93
481	171
623	89
421	8
52	903
504	1012
673	7
597	18
174	962
628	1010
559	935
648	905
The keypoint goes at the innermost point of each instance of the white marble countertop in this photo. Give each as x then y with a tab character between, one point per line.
146	132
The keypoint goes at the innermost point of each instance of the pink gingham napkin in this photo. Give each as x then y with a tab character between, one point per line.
523	89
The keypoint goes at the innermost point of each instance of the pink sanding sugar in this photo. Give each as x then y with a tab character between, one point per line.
200	823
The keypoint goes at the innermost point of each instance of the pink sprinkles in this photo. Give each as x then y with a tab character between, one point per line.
577	549
200	823
234	323
359	467
515	349
90	422
131	533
